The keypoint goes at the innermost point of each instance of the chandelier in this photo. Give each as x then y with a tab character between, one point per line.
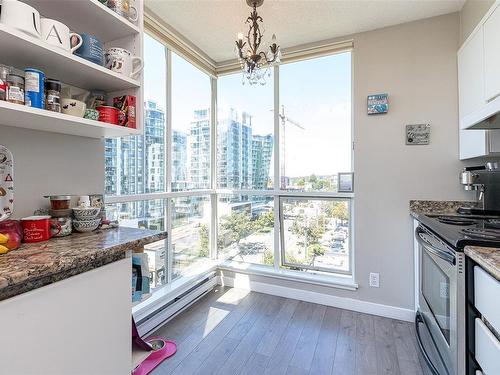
256	65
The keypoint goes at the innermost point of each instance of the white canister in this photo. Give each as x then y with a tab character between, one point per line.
83	201
121	61
58	34
21	16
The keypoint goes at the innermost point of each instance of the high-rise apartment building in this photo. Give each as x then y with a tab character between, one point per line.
199	150
262	151
179	160
234	150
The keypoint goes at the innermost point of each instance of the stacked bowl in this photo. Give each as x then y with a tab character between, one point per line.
86	219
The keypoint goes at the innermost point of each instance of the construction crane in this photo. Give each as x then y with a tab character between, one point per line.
284	120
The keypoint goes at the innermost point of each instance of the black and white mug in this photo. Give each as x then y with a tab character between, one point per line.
58	34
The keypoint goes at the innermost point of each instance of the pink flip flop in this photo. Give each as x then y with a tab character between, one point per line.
162	349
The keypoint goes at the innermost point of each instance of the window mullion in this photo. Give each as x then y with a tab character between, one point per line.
213	169
276	165
168	164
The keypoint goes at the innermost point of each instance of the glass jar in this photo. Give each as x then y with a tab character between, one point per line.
15	89
4	72
53	95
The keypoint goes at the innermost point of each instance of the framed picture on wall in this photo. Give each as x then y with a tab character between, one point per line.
345	182
378	104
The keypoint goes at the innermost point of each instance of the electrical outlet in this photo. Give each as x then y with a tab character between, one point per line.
374	279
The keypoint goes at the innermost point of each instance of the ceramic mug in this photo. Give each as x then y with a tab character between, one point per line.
91	49
73	107
58	34
21	16
121	61
124	9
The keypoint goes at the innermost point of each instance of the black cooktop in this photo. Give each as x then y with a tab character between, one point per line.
464	230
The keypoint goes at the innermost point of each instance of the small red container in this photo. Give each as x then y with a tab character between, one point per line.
108	114
36	228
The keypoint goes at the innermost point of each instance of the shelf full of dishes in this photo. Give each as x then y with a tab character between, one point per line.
33	89
80	57
60	220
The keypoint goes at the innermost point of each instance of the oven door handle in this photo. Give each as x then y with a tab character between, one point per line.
432	249
418	321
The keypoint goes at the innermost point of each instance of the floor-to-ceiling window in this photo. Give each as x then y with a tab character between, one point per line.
258	186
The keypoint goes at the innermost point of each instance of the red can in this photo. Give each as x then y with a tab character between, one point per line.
36	228
108	114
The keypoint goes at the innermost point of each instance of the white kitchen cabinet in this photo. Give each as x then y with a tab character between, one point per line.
479	87
80	325
471	76
491	32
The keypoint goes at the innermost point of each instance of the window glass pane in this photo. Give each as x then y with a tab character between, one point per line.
190	233
191	95
244	134
150	215
315	234
315	122
136	165
246	228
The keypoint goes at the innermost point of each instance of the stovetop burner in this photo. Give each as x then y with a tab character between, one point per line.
456	220
490	234
464	230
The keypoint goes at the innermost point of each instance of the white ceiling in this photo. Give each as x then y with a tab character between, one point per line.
212	25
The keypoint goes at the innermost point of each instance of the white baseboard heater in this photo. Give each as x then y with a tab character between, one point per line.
176	305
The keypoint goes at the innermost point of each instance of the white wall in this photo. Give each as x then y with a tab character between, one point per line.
416	64
49	163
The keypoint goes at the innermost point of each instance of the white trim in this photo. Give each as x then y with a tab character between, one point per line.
165	33
293	54
244	282
336	280
276	166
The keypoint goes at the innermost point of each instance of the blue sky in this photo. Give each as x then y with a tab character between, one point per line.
316	93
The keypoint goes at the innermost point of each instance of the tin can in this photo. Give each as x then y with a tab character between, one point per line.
34	82
53	95
108	114
4	72
15	89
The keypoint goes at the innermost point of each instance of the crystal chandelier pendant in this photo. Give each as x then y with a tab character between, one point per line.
255	64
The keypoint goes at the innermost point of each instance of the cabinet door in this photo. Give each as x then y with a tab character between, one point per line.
472	143
471	76
491	31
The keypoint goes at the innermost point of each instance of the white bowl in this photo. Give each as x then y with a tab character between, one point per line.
73	107
86	225
86	213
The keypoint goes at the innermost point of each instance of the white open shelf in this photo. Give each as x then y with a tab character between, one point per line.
22	51
106	25
21	116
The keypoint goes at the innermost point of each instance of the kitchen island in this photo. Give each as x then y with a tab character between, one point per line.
74	291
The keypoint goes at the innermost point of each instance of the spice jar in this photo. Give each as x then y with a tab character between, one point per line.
53	95
15	89
4	72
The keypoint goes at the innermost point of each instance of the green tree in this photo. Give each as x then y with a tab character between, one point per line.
268	257
301	182
338	210
315	250
204	240
265	222
237	226
308	231
313	178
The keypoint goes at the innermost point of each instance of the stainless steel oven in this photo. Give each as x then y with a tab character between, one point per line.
440	320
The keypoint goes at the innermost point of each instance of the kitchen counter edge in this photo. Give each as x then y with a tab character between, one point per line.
486	257
39	264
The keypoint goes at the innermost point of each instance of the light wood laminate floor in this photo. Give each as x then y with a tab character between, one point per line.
233	331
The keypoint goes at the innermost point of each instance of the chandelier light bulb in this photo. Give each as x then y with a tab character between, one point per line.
240	36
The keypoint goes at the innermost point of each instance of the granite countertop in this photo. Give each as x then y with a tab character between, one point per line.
419	207
35	265
487	257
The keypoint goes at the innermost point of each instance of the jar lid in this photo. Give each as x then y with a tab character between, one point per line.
15	78
61	213
52	84
59	197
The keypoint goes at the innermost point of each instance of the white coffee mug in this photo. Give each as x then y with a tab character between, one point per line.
21	16
121	61
57	34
